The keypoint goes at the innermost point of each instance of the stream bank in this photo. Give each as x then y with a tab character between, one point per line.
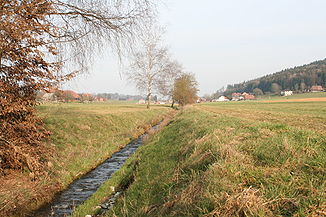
81	189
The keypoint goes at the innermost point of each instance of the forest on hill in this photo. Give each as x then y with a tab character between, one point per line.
298	79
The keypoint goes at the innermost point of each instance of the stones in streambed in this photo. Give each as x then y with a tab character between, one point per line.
105	206
108	204
63	206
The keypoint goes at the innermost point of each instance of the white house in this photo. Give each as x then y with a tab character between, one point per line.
222	99
287	93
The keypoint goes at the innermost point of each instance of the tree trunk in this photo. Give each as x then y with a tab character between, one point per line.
172	104
149	100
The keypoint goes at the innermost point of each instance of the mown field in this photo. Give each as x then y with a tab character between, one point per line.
83	136
295	96
227	159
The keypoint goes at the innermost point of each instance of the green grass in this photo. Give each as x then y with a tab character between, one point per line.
228	159
295	96
86	134
304	115
83	135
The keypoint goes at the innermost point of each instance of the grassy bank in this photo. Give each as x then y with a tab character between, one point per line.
83	136
225	160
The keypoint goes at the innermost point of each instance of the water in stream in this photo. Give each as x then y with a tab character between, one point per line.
83	188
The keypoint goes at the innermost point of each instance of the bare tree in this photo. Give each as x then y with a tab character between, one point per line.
83	27
149	65
166	80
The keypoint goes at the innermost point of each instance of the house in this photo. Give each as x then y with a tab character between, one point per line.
222	99
236	96
316	88
287	93
70	96
100	99
249	97
242	96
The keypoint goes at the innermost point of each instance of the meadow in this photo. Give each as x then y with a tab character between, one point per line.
294	96
83	135
227	159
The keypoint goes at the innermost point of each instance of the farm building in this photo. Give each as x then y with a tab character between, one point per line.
317	88
222	99
100	99
70	95
249	97
287	93
242	96
236	96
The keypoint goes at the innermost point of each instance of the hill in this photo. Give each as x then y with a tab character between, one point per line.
298	79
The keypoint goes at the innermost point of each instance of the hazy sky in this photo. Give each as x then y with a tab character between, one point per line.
227	41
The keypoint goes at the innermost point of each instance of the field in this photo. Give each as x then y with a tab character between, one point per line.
83	136
227	159
301	97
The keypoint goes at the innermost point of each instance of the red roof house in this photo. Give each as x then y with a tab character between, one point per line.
317	88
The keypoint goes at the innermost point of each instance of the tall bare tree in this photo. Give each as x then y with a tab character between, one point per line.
149	65
166	80
38	40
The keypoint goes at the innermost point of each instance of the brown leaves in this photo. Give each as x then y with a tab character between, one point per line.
24	69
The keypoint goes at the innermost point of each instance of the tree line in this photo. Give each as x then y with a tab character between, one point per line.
299	79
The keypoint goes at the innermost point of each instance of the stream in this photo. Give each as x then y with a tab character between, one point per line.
82	188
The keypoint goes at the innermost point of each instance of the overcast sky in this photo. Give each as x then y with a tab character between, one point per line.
227	41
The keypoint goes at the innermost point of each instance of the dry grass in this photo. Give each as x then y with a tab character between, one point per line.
17	190
299	120
218	161
83	137
246	159
246	202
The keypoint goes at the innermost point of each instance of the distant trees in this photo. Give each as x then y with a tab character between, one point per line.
38	40
185	89
276	88
218	93
86	97
209	97
303	86
257	92
298	79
